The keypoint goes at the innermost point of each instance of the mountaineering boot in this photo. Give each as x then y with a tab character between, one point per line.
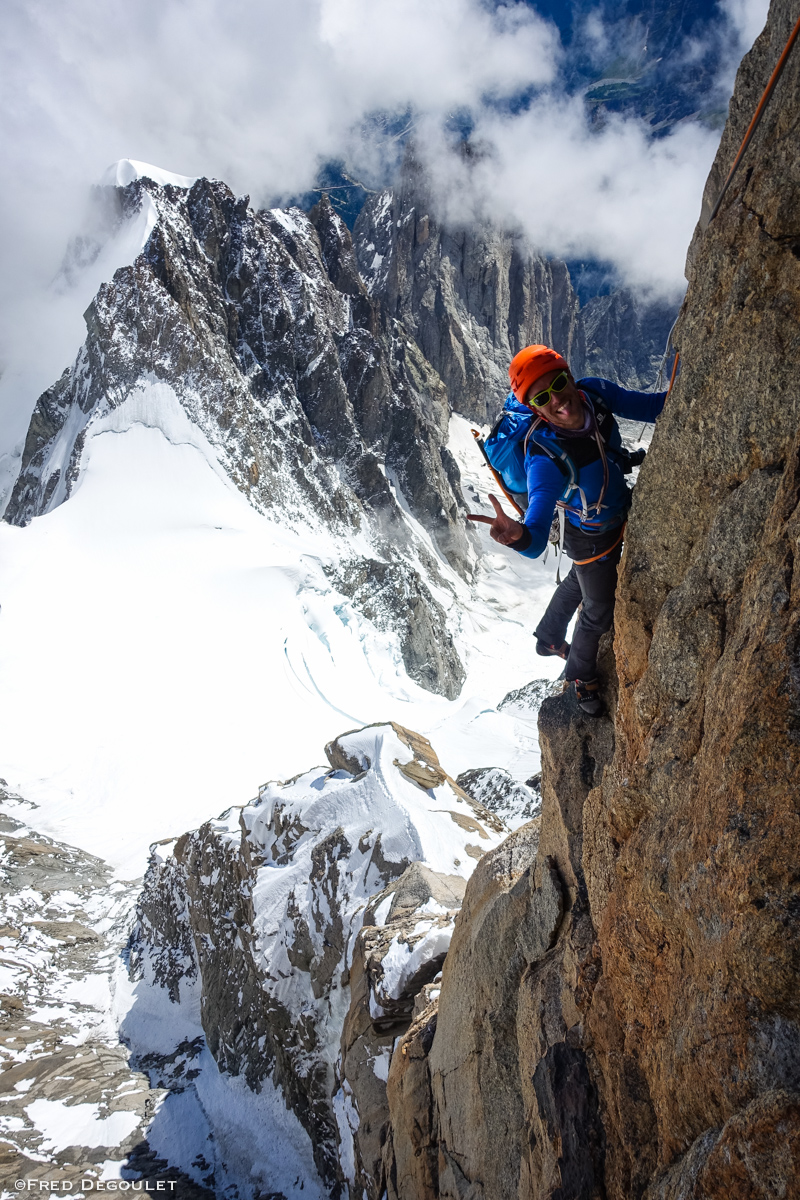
558	651
587	692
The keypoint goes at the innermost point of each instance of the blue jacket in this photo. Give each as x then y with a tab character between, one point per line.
546	483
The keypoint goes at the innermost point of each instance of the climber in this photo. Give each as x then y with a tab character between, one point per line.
574	459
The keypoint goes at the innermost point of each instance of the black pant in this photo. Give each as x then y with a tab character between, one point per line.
595	585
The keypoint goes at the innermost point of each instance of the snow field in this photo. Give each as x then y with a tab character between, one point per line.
256	1138
164	647
65	1125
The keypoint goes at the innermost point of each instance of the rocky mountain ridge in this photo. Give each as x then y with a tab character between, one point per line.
617	1011
318	374
229	332
471	298
324	907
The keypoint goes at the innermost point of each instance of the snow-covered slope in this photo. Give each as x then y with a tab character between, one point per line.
265	917
238	531
241	546
121	173
165	648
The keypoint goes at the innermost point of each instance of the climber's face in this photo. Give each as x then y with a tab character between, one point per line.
565	408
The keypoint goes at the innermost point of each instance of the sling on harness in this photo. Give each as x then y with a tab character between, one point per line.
584	562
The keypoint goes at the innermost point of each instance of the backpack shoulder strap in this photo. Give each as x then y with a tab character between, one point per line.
602	412
555	453
597	399
624	458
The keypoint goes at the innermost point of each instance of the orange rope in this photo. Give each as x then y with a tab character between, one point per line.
751	128
584	561
674	371
773	79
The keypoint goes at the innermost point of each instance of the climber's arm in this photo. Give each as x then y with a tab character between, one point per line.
635	406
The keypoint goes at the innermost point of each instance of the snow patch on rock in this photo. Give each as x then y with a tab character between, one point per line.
126	170
251	924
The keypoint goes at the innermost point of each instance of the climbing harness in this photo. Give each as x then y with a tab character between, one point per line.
584	562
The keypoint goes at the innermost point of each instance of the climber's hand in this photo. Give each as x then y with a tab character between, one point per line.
501	528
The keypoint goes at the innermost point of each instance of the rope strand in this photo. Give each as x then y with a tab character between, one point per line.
751	128
757	115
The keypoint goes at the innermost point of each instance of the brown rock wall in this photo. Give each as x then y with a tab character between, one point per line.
374	1020
493	1094
693	841
622	1018
411	1152
512	910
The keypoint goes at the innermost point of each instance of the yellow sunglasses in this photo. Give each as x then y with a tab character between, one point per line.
541	398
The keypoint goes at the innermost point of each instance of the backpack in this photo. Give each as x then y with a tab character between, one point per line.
505	448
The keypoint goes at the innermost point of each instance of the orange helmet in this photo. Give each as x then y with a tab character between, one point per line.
529	365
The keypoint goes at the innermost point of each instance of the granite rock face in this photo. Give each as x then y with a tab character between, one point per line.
692	859
398	915
620	1018
470	299
490	1091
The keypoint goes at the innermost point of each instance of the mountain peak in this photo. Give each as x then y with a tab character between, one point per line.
126	170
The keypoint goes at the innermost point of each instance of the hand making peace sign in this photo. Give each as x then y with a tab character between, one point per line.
501	527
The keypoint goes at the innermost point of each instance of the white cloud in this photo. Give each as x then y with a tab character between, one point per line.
743	22
747	17
256	92
259	92
614	193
